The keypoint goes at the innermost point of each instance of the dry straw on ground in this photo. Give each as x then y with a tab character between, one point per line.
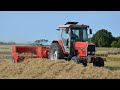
113	57
47	69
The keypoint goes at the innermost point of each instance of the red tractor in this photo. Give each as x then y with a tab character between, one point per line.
74	45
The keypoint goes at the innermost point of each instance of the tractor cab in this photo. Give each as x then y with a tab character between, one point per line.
71	32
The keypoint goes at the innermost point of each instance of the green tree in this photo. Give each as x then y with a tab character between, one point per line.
117	38
116	42
102	38
40	42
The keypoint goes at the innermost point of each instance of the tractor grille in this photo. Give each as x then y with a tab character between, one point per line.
91	50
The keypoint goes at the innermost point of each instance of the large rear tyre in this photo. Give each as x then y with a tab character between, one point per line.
98	62
56	52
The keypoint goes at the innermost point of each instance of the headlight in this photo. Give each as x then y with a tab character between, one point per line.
93	52
88	52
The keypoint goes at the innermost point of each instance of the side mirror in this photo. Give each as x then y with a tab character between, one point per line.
58	29
90	31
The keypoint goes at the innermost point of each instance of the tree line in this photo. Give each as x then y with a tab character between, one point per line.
104	38
39	42
7	43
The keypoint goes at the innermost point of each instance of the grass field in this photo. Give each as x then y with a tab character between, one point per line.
46	69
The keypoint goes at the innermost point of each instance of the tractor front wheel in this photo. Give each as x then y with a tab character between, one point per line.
75	59
98	61
84	63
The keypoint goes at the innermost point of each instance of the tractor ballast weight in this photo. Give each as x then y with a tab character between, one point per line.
19	52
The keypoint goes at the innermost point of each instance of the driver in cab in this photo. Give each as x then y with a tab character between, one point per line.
73	36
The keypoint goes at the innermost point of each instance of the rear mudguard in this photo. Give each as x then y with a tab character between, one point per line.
61	44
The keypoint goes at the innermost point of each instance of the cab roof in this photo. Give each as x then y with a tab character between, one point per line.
72	26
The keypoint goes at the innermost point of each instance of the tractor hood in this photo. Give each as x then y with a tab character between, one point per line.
82	47
79	45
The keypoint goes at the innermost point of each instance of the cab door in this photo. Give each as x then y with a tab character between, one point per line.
65	37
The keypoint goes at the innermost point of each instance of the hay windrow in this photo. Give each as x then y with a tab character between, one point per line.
48	69
113	57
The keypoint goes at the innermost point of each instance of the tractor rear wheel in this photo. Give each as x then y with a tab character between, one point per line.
55	52
98	62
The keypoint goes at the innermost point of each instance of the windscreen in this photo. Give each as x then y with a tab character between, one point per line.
79	34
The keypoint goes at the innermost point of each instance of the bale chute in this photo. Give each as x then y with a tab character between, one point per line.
22	52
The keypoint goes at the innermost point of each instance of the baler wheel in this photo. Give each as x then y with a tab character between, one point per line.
20	59
13	60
